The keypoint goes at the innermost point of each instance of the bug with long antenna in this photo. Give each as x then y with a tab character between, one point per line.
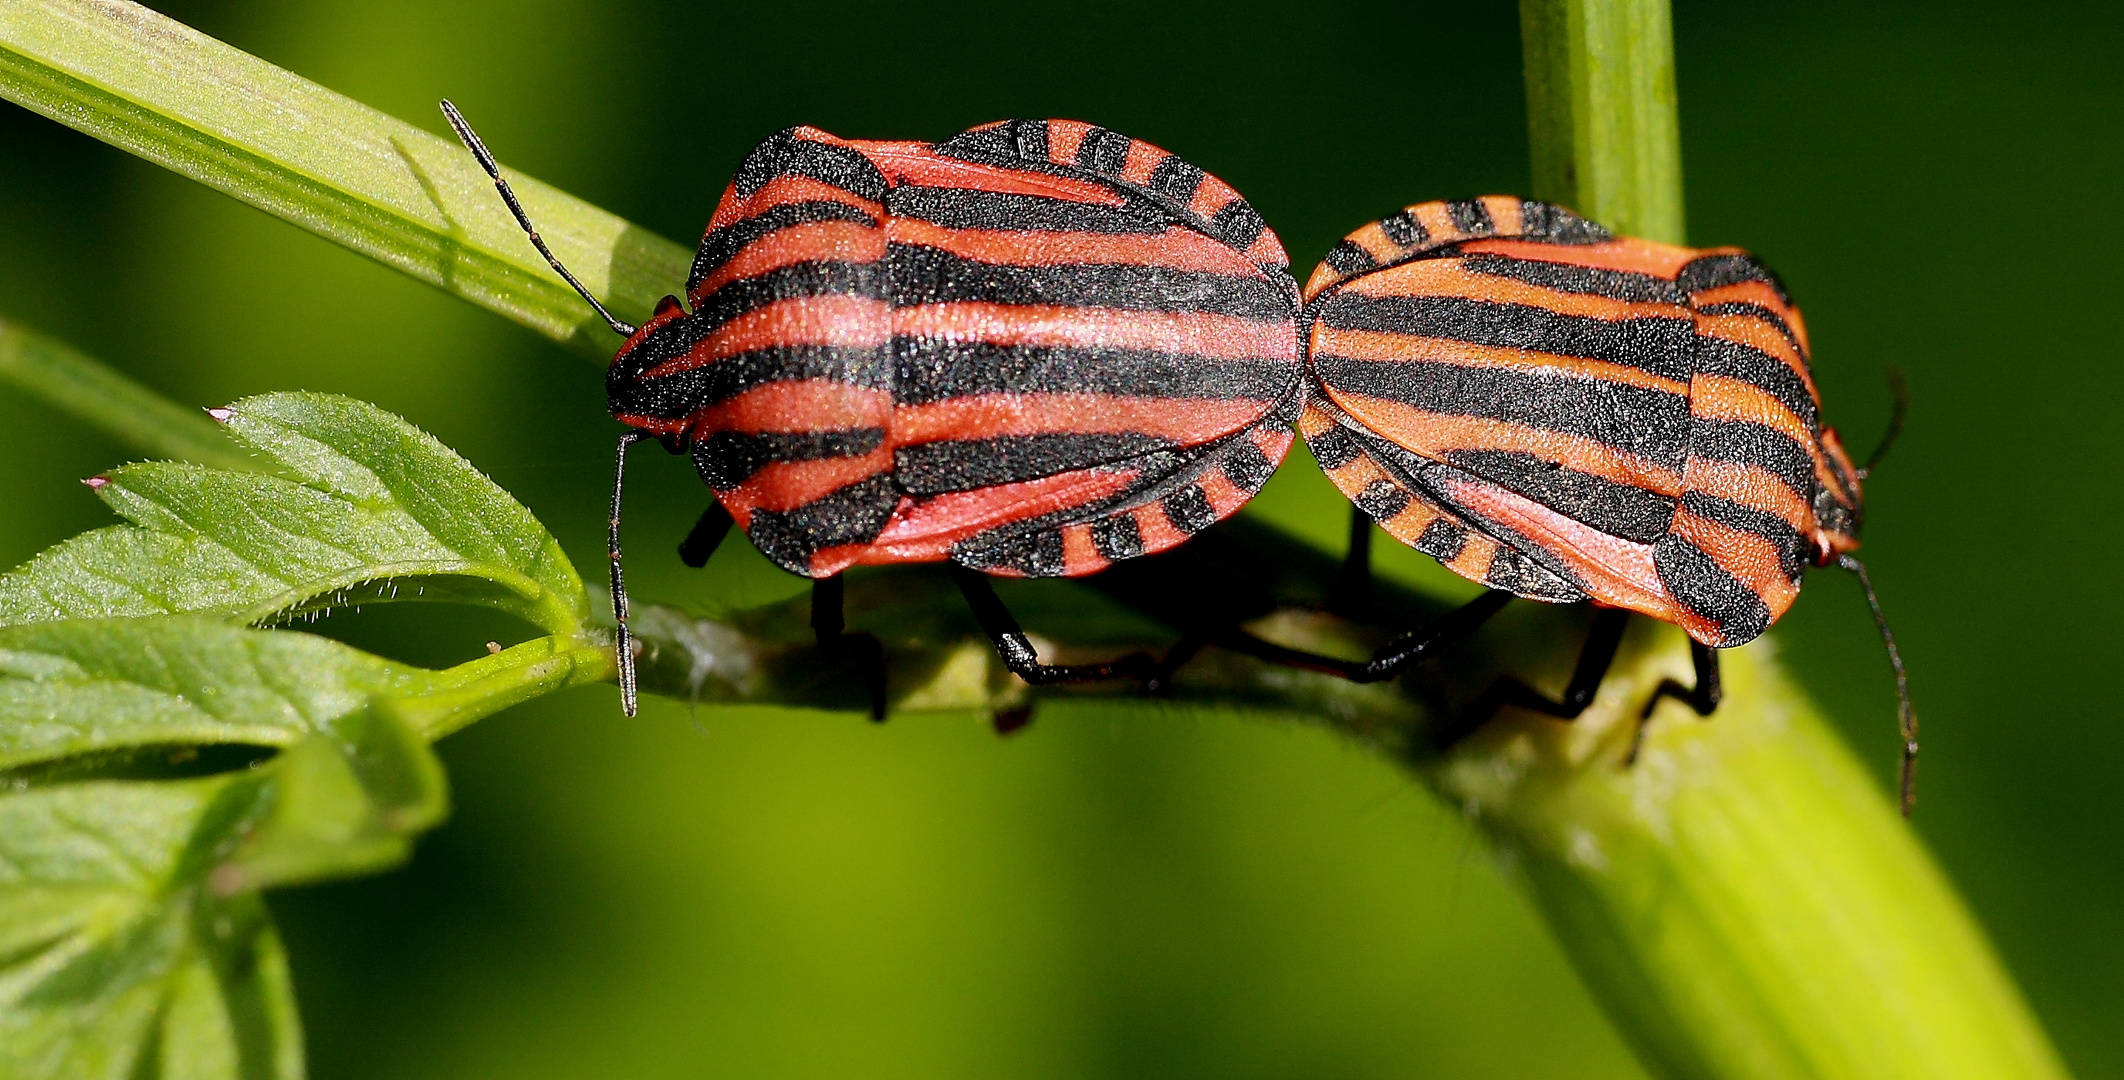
1566	415
1032	350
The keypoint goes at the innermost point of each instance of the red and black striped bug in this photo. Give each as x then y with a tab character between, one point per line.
1030	350
1565	415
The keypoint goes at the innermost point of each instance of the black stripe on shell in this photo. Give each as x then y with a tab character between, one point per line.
726	459
1117	537
973	208
1189	510
783	154
935	468
1103	151
1791	549
1623	510
854	514
921	274
932	369
1404	229
1662	346
1718	356
1747	443
721	245
1706	588
1653	424
677	395
1176	180
1624	285
1713	271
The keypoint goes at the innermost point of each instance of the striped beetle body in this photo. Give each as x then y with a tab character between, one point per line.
1568	415
1031	350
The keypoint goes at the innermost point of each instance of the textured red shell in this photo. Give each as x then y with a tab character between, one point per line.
1033	349
1568	415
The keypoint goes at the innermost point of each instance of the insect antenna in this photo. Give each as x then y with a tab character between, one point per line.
623	639
1901	388
470	138
1906	714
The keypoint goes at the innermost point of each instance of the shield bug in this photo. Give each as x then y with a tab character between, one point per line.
1565	415
1030	350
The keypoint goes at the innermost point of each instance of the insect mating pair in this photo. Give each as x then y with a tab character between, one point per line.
1041	347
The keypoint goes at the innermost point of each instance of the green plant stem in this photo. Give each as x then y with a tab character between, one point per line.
1600	111
1743	901
64	379
394	192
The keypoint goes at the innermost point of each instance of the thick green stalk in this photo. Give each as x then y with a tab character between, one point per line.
1743	901
1600	109
409	199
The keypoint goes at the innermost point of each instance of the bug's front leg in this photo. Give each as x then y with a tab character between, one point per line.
1703	697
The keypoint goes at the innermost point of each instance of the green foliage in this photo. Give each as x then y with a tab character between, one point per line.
370	182
132	939
366	506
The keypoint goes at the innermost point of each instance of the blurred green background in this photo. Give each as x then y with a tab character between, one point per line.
1137	891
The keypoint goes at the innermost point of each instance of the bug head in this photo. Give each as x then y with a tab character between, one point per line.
1839	505
669	334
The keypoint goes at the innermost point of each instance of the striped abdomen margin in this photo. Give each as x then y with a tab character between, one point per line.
1033	349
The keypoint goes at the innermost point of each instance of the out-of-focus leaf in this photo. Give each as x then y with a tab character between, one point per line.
132	941
371	509
116	960
61	377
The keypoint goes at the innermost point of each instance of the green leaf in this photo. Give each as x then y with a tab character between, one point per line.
81	688
132	940
370	507
66	380
412	200
131	935
70	689
115	959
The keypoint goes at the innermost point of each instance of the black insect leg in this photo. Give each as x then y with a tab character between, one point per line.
828	622
1391	660
1160	680
707	535
1352	592
1018	653
1703	697
1593	663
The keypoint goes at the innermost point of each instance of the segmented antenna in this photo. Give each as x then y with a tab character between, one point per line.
1901	388
1906	717
466	135
624	636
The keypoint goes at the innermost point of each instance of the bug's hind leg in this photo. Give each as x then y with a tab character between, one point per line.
707	535
1703	697
828	622
1352	592
1593	663
1018	653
